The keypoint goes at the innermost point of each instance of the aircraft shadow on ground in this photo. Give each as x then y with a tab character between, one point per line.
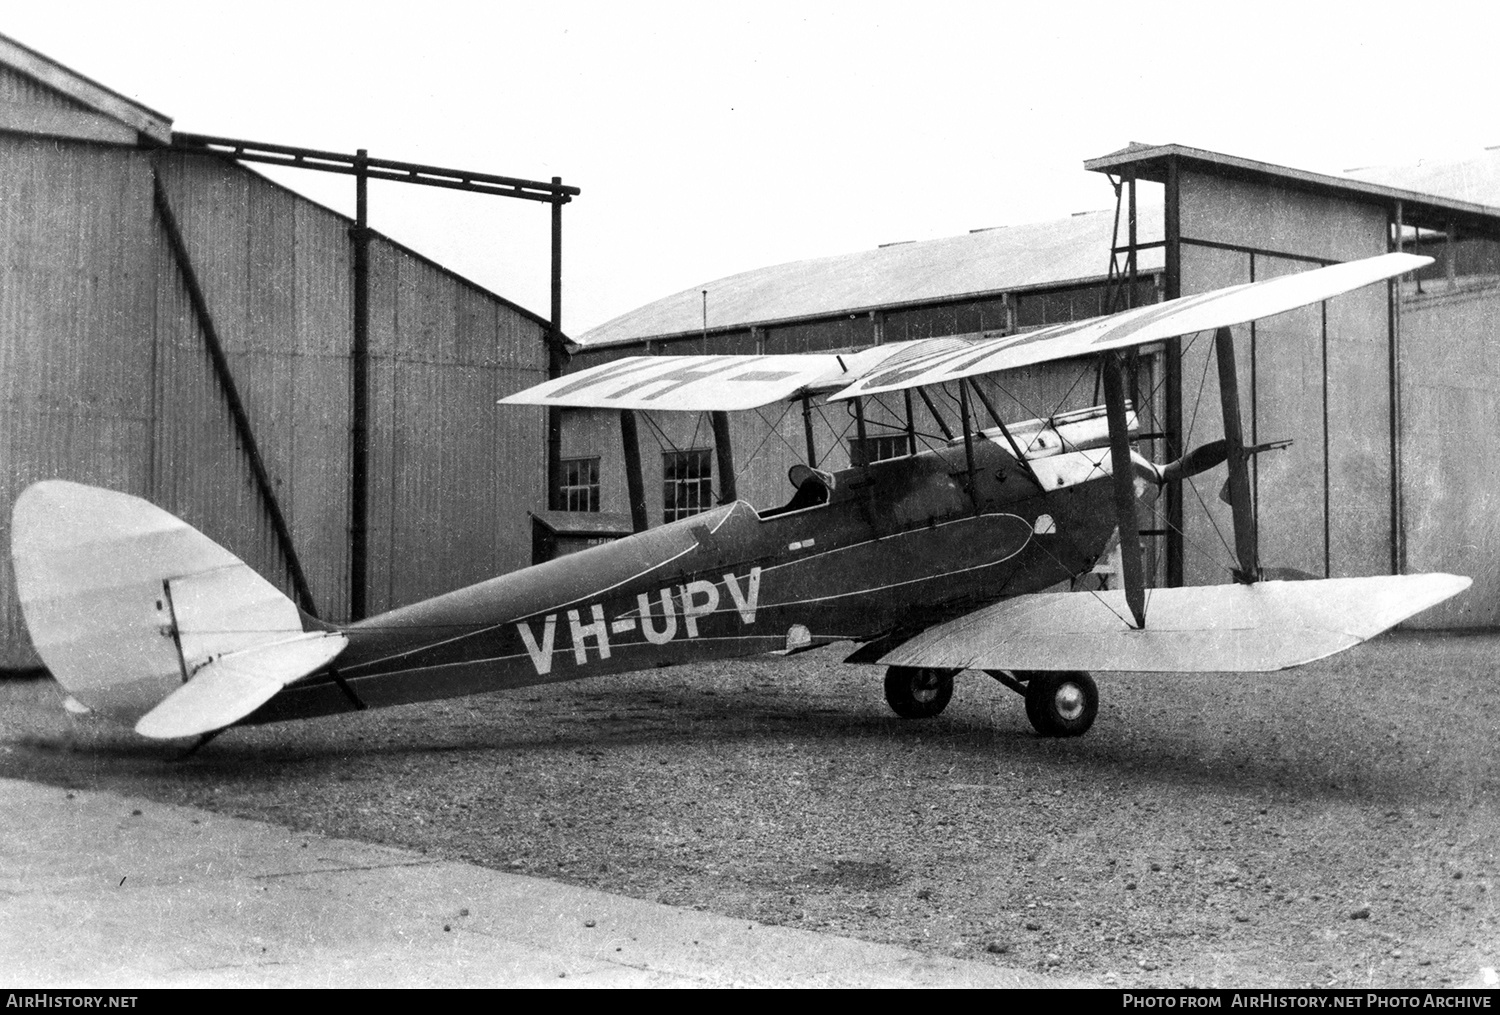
623	717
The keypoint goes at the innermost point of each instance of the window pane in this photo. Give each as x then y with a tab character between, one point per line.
687	483
580	484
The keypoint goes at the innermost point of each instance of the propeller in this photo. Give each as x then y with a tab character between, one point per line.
1205	457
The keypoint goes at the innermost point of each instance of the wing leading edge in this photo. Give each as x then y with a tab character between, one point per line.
704	383
736	382
1270	625
1155	322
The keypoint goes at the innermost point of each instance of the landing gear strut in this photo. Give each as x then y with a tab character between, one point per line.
1059	704
918	692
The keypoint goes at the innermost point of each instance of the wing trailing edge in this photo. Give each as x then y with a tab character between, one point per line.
1271	625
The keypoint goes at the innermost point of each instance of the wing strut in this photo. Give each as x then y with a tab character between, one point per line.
1239	458
812	448
1125	501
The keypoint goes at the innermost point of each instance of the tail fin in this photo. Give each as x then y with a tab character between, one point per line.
145	620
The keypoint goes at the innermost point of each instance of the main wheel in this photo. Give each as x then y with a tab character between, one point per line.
1062	704
918	692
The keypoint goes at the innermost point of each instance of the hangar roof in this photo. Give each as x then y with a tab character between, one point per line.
1420	208
982	262
1474	179
101	113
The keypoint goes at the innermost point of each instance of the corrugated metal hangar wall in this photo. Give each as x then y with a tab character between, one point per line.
1390	393
106	378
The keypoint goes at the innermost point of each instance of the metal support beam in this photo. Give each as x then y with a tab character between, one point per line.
1172	235
1022	461
635	485
379	169
359	408
724	453
963	408
812	448
243	430
911	423
1239	468
556	357
936	416
1130	258
1126	507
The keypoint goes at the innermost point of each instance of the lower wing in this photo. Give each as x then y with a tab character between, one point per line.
1269	625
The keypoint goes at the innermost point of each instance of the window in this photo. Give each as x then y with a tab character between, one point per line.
580	484
687	483
877	449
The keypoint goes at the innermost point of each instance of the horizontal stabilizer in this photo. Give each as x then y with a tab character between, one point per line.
1270	625
232	686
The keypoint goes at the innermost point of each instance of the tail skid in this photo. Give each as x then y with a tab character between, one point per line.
147	621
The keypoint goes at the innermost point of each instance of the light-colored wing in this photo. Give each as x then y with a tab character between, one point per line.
702	383
1214	628
1141	326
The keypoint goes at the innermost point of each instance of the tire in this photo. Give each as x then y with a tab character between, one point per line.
918	692
1062	704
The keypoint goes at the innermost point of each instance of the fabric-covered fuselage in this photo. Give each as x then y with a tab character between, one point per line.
898	546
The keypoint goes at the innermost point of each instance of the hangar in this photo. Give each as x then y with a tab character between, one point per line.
182	328
1387	393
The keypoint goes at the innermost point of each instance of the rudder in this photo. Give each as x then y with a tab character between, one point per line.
126	603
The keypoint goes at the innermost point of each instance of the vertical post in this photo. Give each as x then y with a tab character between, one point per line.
859	428
359	459
812	449
1393	337
1123	469
724	452
911	423
1450	266
635	486
963	408
1130	258
1239	471
555	359
1172	221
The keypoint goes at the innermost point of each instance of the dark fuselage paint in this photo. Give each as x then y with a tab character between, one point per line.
899	545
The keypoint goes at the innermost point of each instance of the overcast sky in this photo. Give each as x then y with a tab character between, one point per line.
712	138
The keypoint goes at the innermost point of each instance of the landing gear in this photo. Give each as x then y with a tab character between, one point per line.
1061	704
918	692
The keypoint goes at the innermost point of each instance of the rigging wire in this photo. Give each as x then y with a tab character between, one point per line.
775	431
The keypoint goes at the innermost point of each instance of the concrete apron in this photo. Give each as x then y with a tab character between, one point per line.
103	891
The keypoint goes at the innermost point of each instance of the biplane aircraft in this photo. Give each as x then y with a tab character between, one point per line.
933	563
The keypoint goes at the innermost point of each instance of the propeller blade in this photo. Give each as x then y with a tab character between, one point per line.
1201	459
1198	460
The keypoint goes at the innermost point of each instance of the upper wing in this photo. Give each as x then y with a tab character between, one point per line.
731	382
1141	326
699	383
1214	628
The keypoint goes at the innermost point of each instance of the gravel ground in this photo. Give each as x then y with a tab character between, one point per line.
1335	825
